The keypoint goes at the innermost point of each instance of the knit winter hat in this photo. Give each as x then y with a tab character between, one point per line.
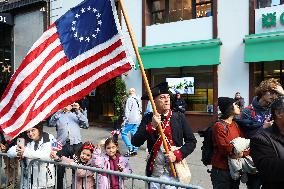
224	103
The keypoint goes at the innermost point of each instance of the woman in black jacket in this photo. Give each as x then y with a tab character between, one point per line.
267	149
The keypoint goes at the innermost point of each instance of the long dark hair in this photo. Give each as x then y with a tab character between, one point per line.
39	127
111	140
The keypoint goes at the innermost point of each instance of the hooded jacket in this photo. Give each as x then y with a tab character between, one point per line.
132	111
253	117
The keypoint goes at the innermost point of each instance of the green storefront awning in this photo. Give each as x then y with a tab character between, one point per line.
205	52
264	47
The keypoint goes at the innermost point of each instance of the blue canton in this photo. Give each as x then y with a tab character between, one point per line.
86	26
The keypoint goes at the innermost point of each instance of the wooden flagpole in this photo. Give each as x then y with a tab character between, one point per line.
146	83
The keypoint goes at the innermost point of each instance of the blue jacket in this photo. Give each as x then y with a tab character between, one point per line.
253	117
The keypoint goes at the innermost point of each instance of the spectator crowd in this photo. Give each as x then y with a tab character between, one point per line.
247	143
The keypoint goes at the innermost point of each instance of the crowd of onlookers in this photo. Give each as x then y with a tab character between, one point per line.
67	147
248	143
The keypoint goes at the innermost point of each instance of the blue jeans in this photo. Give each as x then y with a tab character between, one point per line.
132	128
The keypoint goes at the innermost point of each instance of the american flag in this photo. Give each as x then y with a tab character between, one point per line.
81	50
56	145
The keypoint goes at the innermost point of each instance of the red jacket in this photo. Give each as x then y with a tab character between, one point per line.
222	136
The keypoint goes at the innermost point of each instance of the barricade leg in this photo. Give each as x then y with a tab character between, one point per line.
11	171
60	175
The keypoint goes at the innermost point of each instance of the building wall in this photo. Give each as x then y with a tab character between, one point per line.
181	31
233	25
60	7
24	38
134	13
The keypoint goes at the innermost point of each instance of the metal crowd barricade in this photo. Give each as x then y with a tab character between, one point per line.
96	171
10	175
24	175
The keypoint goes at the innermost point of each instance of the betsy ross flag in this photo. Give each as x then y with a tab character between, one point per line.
81	50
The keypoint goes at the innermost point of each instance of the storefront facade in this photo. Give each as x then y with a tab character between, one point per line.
21	24
187	38
264	44
198	43
224	46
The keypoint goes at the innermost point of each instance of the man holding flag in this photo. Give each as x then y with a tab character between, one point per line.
177	134
81	50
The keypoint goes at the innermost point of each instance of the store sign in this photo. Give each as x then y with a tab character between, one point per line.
6	18
269	19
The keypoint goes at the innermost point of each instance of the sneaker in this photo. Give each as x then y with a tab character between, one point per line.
130	154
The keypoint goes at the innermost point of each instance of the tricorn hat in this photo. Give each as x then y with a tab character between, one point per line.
161	88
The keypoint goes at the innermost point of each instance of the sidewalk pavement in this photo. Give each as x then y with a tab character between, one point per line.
200	176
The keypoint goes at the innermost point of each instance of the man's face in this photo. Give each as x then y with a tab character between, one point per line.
269	96
163	102
238	95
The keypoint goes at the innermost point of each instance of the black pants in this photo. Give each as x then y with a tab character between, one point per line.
222	180
254	181
67	151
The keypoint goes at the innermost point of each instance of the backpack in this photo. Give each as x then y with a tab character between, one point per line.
253	113
207	144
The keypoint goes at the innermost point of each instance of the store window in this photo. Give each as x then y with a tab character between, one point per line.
267	3
267	70
199	96
5	56
163	11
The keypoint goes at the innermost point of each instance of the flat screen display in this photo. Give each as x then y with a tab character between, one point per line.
182	85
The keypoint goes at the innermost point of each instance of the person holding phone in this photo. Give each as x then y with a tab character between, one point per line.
68	122
38	145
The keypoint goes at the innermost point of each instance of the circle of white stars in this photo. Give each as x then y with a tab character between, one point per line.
92	34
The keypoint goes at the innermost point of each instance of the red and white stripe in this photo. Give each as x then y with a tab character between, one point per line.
47	81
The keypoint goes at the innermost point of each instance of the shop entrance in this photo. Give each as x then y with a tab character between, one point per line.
101	105
5	56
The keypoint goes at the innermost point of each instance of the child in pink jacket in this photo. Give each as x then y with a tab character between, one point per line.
111	160
82	157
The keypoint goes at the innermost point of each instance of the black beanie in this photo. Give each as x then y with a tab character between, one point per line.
224	103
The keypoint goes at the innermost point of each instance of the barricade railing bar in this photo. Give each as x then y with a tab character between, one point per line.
132	177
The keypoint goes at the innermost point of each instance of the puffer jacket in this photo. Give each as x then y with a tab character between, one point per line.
101	160
43	172
253	117
267	152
